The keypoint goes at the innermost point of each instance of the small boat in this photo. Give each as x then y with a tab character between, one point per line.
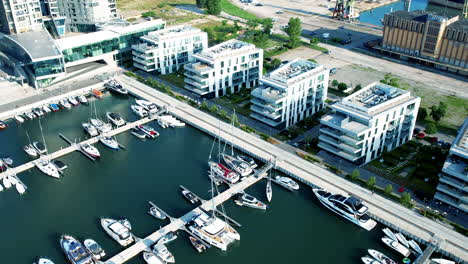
287	183
65	104
162	124
38	111
94	249
248	160
40	148
19	119
147	105
115	119
250	201
390	234
197	244
149	131
190	196
73	101
138	133
13	180
116	87
269	190
100	125
43	260
54	107
151	258
30	115
98	94
90	129
109	142
46	109
139	111
117	231
60	165
171	121
48	168
155	212
82	99
8	161
369	260
162	252
169	237
3	125
402	239
30	150
20	188
75	251
415	246
443	261
380	257
7	182
396	246
90	150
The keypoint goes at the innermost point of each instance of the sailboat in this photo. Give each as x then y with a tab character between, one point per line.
44	164
269	191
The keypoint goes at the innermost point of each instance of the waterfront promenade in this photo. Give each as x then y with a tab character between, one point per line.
407	221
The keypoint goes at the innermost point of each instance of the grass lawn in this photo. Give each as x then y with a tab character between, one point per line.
239	101
234	10
174	78
209	24
150	4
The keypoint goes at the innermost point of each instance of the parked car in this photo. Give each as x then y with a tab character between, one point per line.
279	12
433	139
349	34
421	135
333	71
258	4
345	41
416	131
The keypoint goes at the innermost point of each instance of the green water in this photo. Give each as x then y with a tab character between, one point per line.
295	229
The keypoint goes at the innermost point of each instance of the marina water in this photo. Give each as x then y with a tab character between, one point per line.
295	228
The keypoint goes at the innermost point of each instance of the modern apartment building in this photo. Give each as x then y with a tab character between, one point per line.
224	68
290	93
84	15
453	181
165	51
430	39
374	119
52	20
20	16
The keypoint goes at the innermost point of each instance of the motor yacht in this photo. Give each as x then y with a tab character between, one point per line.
116	87
115	119
169	237
171	121
369	260
148	106
117	231
13	179
443	261
415	247
156	213
90	129
40	148
163	253
75	251
247	160
48	168
29	115
109	142
396	246
82	99
250	201
19	119
73	101
43	260
389	233
60	165
46	109
65	104
213	230
94	249
402	239
240	167
100	125
97	93
151	258
197	244
54	107
90	150
287	183
149	131
380	257
139	111
225	174
138	133
38	111
349	208
190	196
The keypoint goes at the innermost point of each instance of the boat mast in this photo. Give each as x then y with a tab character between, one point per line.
232	132
43	139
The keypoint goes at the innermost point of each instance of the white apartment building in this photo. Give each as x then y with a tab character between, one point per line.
290	93
224	68
18	16
453	182
82	15
167	50
376	118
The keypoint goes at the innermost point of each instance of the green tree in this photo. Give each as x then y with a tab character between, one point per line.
201	3
204	106
388	189
431	128
223	113
342	86
235	120
355	174
357	88
438	111
267	26
294	30
314	41
335	83
213	7
371	182
406	200
422	114
213	109
211	34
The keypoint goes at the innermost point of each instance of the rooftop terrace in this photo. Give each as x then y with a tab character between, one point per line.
171	32
374	95
291	70
227	48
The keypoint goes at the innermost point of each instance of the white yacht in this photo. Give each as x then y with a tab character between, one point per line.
402	239
100	125
139	110
73	101
48	168
90	129
380	257
149	131
20	188
396	246
116	87
248	160
65	104
213	230
250	201
415	247
350	208
7	182
171	121
30	115
162	124
150	258
163	253
148	106
156	213
115	119
287	183
46	109
443	261
40	148
90	150
19	119
94	249
169	237
43	260
369	260
117	231
243	168
109	142
269	190
82	99
389	233
75	251
1	188
223	173
30	150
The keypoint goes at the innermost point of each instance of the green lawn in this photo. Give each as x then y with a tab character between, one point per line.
150	4
239	101
174	78
234	10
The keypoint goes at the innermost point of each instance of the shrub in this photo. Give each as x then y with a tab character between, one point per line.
406	200
388	189
335	83
130	74
355	175
204	106
264	136
430	128
132	19
314	41
371	182
149	14
342	86
422	113
213	109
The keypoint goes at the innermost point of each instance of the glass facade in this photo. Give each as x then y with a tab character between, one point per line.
47	67
90	50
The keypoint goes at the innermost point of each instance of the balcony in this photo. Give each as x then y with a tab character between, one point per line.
453	192
198	67
144	62
454	182
338	152
265	120
456	169
262	111
261	103
194	89
199	85
144	47
268	94
194	76
340	135
451	201
338	144
341	123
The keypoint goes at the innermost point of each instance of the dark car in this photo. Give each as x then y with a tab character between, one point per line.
416	131
258	4
346	41
333	70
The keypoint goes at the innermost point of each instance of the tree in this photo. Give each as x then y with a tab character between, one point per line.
422	113
294	30
342	86
211	34
213	109
357	88
204	106
388	189
406	200
314	41
335	83
431	128
267	26
438	111
213	7
355	174
223	113
235	120
371	182
201	3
